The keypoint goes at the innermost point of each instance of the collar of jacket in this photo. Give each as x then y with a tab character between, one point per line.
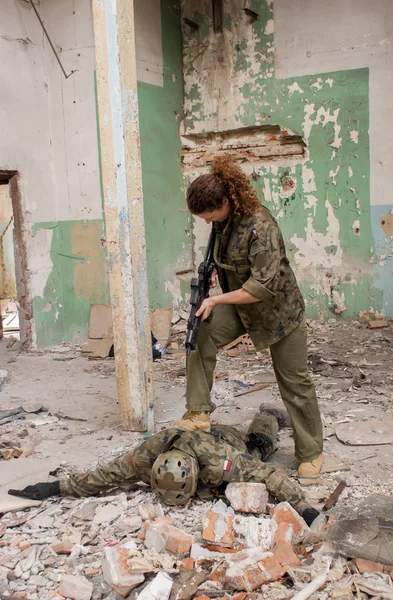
223	233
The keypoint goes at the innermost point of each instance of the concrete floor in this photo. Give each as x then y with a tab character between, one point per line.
72	388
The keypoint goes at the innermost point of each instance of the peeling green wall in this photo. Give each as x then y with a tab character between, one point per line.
166	220
324	211
78	278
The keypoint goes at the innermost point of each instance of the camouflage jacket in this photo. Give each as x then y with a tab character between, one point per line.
221	455
250	253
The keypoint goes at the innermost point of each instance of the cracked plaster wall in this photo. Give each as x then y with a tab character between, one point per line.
48	135
48	131
321	71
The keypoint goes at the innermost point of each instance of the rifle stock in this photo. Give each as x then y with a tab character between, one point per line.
200	287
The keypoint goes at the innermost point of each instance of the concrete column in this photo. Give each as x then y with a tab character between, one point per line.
123	205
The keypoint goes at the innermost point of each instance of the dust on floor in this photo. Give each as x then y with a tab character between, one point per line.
352	368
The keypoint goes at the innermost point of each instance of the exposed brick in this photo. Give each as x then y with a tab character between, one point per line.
284	532
63	547
368	566
116	573
223	549
271	569
377	324
284	513
217	574
249	569
24	545
188	564
247	497
90	572
285	554
77	588
162	536
218	526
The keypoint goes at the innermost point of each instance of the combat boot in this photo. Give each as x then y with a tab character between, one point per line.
311	469
194	421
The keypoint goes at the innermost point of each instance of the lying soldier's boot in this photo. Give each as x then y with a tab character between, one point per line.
282	416
194	421
311	469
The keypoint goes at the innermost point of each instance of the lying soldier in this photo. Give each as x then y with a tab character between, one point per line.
177	464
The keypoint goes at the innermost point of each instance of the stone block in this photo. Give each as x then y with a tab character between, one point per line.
116	573
284	513
77	588
247	497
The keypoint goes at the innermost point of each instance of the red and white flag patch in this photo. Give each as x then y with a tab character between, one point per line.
227	465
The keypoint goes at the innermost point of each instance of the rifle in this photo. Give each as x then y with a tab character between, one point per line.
200	287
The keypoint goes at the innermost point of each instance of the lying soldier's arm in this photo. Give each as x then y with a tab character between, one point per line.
118	472
248	468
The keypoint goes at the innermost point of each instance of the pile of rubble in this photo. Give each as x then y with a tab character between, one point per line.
130	546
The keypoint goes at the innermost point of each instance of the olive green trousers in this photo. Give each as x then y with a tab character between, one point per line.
289	357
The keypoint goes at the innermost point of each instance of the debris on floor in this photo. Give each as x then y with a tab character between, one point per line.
127	545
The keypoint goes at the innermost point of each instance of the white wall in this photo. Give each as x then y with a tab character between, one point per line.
72	111
24	131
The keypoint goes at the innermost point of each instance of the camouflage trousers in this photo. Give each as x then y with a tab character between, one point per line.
289	356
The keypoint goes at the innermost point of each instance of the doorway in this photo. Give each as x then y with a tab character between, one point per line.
14	313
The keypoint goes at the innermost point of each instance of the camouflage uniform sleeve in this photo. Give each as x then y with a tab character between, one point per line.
130	467
118	472
248	468
264	257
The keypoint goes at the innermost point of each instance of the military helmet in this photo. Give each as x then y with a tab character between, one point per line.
174	477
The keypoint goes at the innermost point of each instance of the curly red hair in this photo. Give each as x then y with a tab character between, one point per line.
226	180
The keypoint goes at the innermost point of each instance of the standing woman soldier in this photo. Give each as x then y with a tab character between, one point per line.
261	297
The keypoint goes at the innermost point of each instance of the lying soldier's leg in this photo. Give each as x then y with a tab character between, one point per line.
262	435
118	472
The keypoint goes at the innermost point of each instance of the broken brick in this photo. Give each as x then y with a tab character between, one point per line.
249	569
116	573
284	513
247	497
377	324
188	564
271	568
162	536
285	554
218	525
77	588
368	566
284	532
24	545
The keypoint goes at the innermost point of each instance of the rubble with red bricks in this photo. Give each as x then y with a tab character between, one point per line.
130	546
241	547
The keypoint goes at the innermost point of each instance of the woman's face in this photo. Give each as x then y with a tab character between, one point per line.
220	214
